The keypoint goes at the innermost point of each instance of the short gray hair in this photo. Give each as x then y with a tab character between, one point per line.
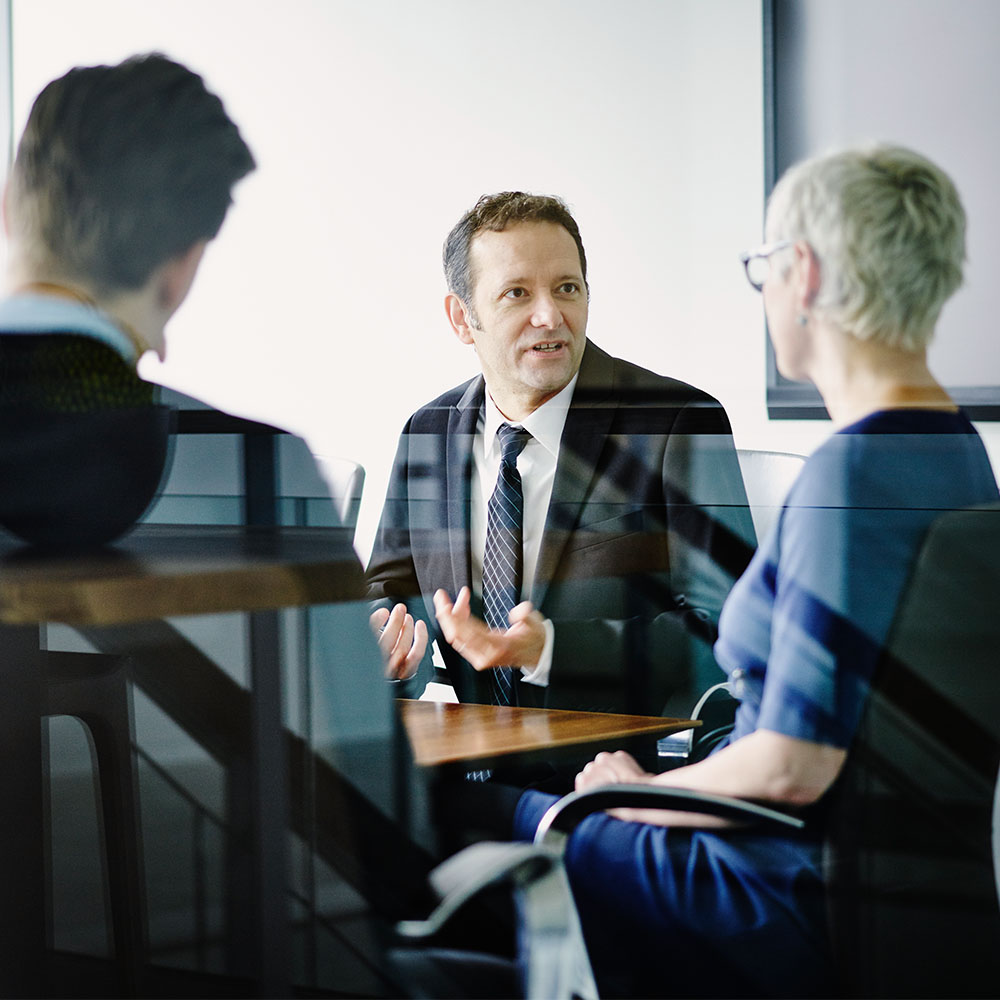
888	229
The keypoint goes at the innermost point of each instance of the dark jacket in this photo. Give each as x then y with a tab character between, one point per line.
647	529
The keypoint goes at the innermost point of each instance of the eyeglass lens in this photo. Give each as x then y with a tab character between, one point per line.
757	270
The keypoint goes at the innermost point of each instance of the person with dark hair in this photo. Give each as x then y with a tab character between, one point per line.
122	177
630	520
494	213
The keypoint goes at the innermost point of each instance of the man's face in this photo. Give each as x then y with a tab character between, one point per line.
530	300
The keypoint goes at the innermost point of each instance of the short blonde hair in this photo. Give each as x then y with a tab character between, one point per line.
888	229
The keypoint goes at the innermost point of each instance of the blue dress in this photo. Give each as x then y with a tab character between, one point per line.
691	912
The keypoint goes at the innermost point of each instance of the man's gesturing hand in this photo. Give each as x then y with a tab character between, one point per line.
519	646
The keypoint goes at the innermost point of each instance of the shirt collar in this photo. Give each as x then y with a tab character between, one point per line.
544	424
30	313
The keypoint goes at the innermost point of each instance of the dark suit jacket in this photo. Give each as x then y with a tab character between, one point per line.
647	529
83	443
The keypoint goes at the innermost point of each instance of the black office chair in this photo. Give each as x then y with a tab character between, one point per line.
913	848
912	833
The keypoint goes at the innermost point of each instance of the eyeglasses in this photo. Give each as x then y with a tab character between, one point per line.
756	262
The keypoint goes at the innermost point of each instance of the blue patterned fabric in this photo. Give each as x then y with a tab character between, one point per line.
802	629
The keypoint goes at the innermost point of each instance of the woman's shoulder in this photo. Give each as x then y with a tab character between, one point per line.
895	454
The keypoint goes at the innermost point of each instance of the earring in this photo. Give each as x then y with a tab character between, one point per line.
802	319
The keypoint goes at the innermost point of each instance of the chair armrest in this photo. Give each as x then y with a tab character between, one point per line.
473	869
561	819
553	956
706	710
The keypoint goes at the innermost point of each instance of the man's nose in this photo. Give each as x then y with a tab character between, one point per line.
546	312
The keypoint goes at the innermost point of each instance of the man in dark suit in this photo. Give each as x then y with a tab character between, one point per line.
635	521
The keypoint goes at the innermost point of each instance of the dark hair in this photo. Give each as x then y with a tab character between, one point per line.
121	168
497	212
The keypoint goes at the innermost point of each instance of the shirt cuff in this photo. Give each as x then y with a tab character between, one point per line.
539	673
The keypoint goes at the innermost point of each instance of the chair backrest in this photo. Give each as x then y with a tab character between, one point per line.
228	470
767	476
910	850
346	480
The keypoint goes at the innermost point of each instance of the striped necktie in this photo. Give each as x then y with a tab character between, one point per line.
503	557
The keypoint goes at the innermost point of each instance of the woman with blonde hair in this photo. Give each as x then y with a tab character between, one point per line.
864	248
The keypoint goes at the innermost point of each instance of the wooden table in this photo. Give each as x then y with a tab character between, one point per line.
157	571
443	733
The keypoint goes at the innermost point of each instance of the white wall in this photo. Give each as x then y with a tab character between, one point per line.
376	125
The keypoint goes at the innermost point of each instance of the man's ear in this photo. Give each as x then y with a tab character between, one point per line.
458	316
176	276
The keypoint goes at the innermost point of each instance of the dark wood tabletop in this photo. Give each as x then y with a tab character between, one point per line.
163	570
449	733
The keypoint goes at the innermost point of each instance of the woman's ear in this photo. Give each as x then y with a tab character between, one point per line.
808	274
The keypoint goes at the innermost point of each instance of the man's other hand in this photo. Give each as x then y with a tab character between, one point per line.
402	641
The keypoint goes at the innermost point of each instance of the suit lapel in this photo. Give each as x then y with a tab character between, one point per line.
584	437
462	422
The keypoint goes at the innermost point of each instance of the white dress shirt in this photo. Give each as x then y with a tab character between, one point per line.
537	467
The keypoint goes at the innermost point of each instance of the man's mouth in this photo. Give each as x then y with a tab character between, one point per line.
547	348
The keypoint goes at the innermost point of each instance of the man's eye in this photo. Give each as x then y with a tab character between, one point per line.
569	288
514	293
